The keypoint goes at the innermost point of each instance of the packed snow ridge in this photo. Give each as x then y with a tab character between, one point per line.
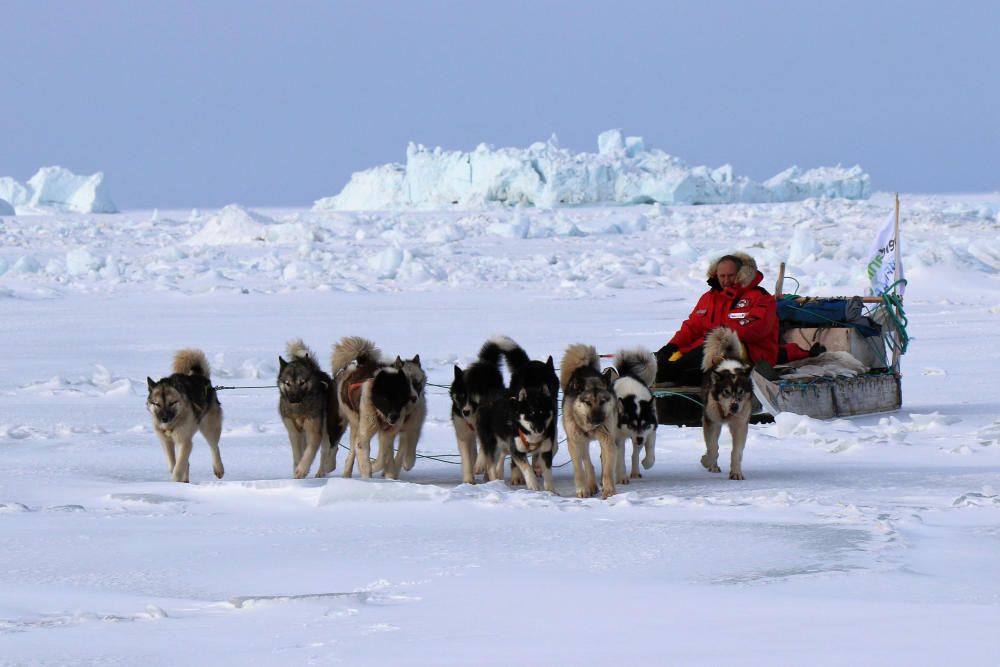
546	176
58	188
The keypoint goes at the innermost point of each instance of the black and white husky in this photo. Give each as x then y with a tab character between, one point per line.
636	370
727	397
530	423
373	397
481	411
589	412
413	416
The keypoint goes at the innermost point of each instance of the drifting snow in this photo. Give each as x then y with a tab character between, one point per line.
59	188
544	175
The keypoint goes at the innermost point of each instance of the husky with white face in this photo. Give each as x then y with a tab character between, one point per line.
636	369
727	397
589	413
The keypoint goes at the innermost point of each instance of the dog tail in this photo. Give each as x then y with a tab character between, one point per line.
298	350
353	348
577	356
721	344
637	362
504	346
191	361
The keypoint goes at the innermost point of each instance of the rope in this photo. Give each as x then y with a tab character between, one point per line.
266	386
879	352
893	305
661	394
442	458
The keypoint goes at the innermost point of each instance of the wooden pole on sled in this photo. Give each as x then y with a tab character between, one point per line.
779	285
895	277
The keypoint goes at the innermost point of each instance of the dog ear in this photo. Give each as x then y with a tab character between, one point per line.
550	364
150	383
609	375
458	373
281	363
416	360
398	364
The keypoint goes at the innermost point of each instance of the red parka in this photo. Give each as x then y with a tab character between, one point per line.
746	308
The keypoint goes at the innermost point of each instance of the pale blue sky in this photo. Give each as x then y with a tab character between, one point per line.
204	103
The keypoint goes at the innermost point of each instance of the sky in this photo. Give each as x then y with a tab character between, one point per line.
277	103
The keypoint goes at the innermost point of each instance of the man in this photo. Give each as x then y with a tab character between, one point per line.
735	300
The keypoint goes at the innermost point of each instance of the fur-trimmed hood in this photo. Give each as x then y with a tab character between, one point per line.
746	276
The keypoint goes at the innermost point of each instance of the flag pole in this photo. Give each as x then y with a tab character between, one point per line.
895	244
895	289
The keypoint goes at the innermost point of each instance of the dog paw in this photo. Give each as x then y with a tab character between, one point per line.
736	474
607	493
710	465
219	472
300	473
583	493
636	475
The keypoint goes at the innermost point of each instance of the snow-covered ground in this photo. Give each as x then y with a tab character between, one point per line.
868	541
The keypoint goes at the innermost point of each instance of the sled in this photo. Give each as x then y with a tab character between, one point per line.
871	329
877	390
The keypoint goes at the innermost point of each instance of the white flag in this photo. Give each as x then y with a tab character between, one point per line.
882	256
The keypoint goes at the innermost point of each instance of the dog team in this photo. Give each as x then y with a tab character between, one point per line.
731	330
371	395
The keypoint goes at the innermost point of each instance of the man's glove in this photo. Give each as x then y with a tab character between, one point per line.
664	353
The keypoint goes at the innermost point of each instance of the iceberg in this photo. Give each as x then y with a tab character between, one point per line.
622	172
57	187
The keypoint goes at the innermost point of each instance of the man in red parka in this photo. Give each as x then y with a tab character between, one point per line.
735	300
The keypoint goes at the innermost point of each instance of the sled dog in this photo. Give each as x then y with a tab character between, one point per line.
534	405
521	421
478	386
413	416
636	370
373	396
305	406
727	397
180	405
589	413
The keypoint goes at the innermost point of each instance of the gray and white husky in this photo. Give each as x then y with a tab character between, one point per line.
589	413
308	399
727	397
181	405
636	370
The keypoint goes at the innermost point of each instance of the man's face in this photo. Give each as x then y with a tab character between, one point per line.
725	273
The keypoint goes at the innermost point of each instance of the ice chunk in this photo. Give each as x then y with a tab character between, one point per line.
623	171
232	225
61	188
6	208
13	192
80	262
